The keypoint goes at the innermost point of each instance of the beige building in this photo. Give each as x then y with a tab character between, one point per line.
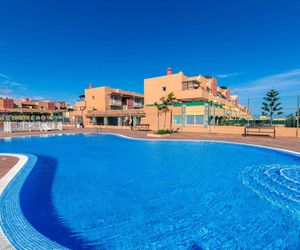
33	110
201	102
109	107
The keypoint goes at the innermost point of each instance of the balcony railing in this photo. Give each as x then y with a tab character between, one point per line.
25	110
138	105
189	85
198	93
115	102
119	112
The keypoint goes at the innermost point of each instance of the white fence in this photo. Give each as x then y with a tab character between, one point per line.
31	126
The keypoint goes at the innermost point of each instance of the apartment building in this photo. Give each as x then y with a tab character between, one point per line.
32	110
201	102
109	107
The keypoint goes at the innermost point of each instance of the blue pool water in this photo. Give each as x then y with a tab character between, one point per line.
108	192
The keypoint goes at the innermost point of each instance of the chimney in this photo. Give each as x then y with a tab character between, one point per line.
90	86
169	71
214	88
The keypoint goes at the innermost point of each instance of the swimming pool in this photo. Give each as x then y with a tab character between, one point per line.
109	192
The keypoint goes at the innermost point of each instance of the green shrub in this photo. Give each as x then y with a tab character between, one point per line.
227	122
291	121
164	131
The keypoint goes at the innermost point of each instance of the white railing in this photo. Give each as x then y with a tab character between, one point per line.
31	126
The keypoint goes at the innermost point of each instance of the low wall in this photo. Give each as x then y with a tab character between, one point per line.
112	127
280	130
236	130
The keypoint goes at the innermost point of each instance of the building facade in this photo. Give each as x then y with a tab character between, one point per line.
32	110
108	107
200	102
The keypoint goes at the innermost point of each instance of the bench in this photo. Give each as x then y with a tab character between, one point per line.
142	127
259	130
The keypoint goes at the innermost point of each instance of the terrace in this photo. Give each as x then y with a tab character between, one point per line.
118	112
124	101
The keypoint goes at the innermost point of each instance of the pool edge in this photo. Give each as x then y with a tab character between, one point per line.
199	140
4	181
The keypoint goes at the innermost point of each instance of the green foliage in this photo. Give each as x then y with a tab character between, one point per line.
271	106
159	109
227	122
163	106
164	131
158	106
291	120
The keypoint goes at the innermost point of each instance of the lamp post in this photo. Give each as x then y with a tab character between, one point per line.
248	111
81	109
93	119
298	116
214	103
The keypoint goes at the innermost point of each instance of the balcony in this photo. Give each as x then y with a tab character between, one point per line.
26	110
114	102
137	105
119	112
193	94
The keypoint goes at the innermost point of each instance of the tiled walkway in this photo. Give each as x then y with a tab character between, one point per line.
6	163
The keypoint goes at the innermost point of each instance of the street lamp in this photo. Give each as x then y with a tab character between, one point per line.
82	108
214	103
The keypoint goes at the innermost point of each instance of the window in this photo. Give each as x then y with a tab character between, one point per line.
195	119
190	119
164	88
93	97
199	119
177	119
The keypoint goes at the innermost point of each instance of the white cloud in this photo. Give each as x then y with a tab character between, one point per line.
228	75
16	90
10	88
287	83
4	91
4	76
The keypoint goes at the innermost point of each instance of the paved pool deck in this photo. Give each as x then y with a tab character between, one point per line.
286	143
6	163
10	164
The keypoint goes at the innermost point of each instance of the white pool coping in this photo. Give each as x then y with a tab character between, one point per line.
199	140
4	181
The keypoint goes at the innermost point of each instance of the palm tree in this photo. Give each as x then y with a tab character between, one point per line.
167	101
165	110
171	100
159	109
271	106
163	107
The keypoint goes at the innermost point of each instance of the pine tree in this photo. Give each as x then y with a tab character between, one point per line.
271	106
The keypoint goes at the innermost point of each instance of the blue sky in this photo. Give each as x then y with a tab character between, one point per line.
53	49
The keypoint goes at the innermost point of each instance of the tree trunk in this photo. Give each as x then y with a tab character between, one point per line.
171	116
271	120
157	120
